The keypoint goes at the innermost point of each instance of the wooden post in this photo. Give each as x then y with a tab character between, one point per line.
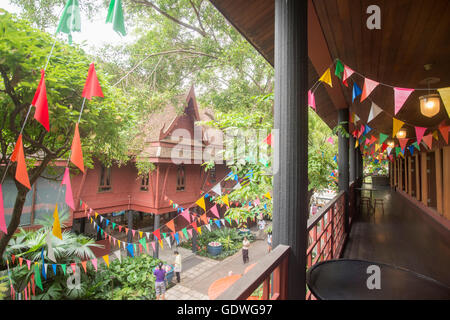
130	227
438	161
446	181
290	207
417	171
155	227
424	177
352	159
343	163
395	172
409	175
400	174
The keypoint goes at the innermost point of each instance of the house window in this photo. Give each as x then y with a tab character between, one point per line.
144	183
105	179
180	178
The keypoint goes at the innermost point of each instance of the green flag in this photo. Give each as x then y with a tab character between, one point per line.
37	277
383	137
185	233
339	69
142	241
64	266
115	16
416	145
70	20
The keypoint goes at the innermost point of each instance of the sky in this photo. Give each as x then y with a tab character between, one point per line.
96	33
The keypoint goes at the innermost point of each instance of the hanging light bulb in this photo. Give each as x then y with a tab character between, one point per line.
430	105
401	134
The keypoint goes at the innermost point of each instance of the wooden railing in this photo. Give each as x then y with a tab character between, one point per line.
326	236
271	273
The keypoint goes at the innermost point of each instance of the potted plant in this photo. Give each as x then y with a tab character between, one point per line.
214	248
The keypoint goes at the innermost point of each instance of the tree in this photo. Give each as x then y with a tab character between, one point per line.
103	127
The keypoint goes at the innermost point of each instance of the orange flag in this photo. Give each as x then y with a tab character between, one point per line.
204	218
171	225
21	170
76	156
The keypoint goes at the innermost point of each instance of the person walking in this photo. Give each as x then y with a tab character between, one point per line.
160	284
269	240
245	246
177	268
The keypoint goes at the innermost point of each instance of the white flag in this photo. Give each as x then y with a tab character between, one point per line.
217	189
168	242
208	226
237	186
118	255
374	112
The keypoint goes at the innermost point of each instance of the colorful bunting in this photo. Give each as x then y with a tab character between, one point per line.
106	258
92	86
420	131
56	230
339	69
217	189
76	156
400	96
311	100
225	200
171	225
383	137
445	96
70	20
21	170
201	203
356	91
428	139
403	142
326	77
115	16
347	73
374	112
69	195
267	140
215	211
396	126
444	131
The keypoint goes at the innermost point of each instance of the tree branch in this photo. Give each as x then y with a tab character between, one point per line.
152	5
198	16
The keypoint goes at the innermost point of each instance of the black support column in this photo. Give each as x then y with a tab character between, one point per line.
130	227
352	159
155	227
290	207
343	162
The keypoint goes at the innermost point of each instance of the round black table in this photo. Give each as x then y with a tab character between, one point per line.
347	279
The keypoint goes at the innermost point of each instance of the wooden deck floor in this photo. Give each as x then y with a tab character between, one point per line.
403	236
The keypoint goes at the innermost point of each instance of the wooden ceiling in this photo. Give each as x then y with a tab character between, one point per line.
413	33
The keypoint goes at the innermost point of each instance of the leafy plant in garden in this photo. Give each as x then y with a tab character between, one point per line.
3	287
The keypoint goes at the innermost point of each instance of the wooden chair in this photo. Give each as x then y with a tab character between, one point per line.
379	202
365	201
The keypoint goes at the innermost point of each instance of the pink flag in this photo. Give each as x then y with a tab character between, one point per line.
428	140
400	96
28	264
420	131
2	213
403	143
153	245
311	100
215	211
186	215
330	140
369	85
190	232
69	195
347	73
94	263
133	231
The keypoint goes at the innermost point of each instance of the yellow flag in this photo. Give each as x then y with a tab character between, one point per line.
118	242
96	214
326	77
377	146
445	96
161	244
56	226
199	230
396	126
106	258
140	234
225	200
356	143
435	135
267	195
201	203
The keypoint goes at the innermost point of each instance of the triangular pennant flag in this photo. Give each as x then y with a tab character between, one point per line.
56	230
83	264
383	137
168	241
92	86
94	263
21	170
374	112
133	232
420	131
267	195
69	195
115	16
217	189
208	226
190	232
326	77
185	214
50	251
368	87
41	103
74	267
411	149
367	129
428	140
204	218
435	135
356	91
76	156
311	100
347	73
70	19
185	233
44	269
217	222
28	264
118	255
37	276
201	203
130	249
157	234
177	237
443	129
64	267
396	126
372	140
400	96
106	258
2	213
161	244
215	211
199	230
403	142
237	186
339	69
445	96
225	200
171	225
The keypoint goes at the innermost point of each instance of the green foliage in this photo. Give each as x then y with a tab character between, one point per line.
130	279
3	287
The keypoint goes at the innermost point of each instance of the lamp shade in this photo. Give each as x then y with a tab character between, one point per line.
401	134
429	105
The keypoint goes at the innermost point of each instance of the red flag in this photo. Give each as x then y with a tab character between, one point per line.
444	131
76	156
21	170
41	103
92	86
428	140
268	139
157	234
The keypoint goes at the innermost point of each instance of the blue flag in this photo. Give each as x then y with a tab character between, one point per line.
177	237
218	223
356	91
130	249
43	264
367	129
54	268
411	149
